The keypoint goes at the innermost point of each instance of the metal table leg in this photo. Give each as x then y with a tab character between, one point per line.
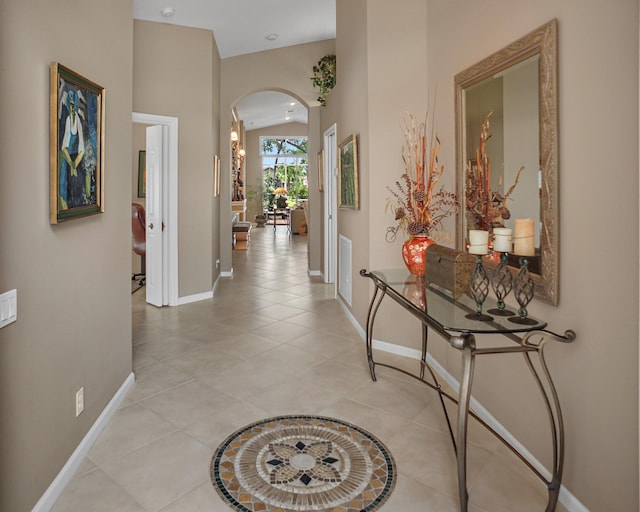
552	403
466	343
371	316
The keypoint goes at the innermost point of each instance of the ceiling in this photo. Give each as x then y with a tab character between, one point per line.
269	108
249	26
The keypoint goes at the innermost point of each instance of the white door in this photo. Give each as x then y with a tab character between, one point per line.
330	205
154	229
170	202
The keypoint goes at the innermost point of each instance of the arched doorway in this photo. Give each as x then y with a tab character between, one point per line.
273	133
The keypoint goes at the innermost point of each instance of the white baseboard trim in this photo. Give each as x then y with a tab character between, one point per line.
351	318
571	503
195	298
314	273
48	499
228	273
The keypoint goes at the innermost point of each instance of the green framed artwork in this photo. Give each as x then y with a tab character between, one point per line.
76	121
142	173
348	173
321	170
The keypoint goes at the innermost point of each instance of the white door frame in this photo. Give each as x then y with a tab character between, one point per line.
330	204
170	204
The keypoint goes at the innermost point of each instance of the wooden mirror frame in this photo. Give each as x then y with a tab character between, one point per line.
542	42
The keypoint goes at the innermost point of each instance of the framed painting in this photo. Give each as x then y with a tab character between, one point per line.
142	173
76	145
321	170
348	173
216	176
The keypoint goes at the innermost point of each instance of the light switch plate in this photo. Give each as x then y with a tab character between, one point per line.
8	307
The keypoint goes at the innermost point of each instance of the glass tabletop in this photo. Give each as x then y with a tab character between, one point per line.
440	308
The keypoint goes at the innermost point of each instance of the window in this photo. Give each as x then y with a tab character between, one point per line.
284	165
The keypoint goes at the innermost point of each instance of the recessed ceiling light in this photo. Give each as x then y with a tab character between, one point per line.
292	103
287	118
167	12
271	37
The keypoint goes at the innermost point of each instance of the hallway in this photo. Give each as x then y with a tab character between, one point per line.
271	342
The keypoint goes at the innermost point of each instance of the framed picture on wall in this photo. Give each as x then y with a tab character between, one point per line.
216	176
76	172
321	170
348	173
142	173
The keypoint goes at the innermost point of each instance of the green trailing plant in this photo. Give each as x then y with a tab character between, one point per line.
324	77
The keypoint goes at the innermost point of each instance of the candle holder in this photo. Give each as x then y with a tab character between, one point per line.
523	290
479	286
502	283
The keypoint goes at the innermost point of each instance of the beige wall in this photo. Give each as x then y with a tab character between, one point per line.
287	70
597	375
74	309
381	49
347	107
176	71
391	59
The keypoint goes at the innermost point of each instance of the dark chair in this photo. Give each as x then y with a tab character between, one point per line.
138	227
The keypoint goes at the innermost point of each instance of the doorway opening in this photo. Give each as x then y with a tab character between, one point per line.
168	257
330	173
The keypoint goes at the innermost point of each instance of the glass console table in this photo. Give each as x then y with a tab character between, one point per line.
436	309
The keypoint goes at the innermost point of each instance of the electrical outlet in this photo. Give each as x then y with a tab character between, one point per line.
79	401
217	262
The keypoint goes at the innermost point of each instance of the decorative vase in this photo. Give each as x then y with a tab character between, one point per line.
261	220
414	253
414	291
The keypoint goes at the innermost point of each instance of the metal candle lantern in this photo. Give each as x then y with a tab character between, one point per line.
501	281
523	290
479	283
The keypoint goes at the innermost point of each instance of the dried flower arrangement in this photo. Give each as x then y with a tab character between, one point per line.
485	208
418	207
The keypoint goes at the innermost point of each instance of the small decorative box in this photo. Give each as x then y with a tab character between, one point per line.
449	269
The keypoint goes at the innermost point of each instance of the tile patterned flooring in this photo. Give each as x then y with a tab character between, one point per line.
273	342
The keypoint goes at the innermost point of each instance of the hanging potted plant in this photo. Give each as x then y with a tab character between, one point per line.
324	77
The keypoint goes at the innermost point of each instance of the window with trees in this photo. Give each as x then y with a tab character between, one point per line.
284	166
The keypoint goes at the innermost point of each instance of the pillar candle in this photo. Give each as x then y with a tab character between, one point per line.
524	237
502	239
478	241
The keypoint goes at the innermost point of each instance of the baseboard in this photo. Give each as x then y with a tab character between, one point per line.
314	273
228	273
48	499
195	298
568	500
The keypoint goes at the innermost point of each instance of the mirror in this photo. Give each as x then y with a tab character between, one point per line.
514	91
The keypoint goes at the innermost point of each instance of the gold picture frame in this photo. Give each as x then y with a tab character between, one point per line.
216	175
76	173
321	170
348	173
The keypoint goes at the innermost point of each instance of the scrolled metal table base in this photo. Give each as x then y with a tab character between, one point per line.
532	343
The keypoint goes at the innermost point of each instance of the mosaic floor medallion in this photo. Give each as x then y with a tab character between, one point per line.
303	463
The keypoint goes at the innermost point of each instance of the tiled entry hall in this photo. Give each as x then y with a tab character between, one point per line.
273	342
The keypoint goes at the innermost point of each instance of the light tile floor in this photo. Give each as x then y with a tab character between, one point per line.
273	341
